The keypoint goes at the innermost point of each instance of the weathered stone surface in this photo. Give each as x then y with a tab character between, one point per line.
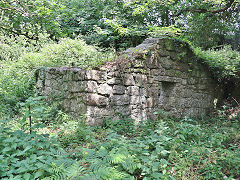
133	90
128	80
154	76
105	89
78	86
150	102
118	89
124	110
119	100
113	81
92	87
79	75
140	79
97	100
96	75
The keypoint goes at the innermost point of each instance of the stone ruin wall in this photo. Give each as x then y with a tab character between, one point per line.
158	74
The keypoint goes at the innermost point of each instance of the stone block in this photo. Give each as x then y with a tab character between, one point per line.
105	89
139	115
153	91
47	82
96	115
79	75
113	81
151	79
128	80
150	102
67	77
92	86
119	100
77	107
96	75
140	79
135	100
124	110
118	89
143	92
152	61
97	100
133	90
192	81
78	86
166	63
184	82
155	72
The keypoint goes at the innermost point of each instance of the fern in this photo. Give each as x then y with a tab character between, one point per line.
63	172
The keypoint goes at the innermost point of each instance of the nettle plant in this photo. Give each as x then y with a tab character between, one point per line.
33	156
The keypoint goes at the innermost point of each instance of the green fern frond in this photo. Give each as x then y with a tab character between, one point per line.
117	158
130	164
75	170
96	164
110	173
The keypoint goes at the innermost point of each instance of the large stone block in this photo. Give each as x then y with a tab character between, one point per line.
118	89
97	100
128	80
113	81
133	90
105	89
79	75
78	86
92	87
96	75
119	100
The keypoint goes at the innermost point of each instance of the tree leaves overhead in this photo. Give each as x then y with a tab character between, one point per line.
122	23
30	17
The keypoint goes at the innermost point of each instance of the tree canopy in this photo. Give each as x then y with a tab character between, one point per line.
123	23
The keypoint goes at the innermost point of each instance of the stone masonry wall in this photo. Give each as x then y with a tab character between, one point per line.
158	74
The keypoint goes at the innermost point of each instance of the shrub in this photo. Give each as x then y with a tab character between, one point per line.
33	156
20	59
224	62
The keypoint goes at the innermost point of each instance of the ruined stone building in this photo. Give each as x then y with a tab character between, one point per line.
157	74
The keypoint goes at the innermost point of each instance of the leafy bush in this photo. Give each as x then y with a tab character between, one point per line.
32	156
67	52
20	59
224	62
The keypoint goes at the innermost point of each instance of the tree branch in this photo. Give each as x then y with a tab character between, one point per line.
228	5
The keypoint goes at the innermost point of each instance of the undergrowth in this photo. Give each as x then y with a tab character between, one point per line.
162	149
167	148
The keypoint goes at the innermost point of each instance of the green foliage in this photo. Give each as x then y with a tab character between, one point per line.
124	125
121	23
119	158
224	62
20	59
32	156
67	52
161	149
74	133
31	18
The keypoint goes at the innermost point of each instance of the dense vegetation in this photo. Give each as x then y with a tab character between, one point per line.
167	148
39	141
